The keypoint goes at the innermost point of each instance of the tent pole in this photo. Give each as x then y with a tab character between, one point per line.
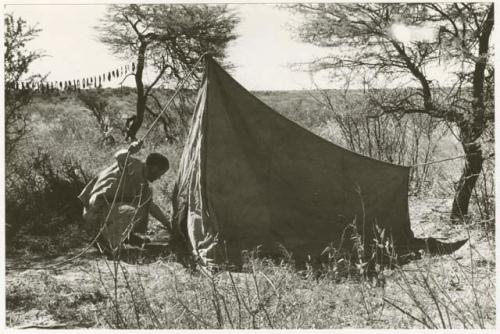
173	96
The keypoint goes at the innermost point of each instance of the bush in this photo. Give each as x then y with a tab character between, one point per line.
41	196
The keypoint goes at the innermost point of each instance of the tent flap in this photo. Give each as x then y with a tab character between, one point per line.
251	178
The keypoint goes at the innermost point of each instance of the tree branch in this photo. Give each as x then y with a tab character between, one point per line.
155	81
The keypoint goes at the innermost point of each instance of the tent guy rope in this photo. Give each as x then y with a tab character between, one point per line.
117	249
448	159
58	264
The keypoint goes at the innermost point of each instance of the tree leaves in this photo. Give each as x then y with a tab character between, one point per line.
168	38
17	60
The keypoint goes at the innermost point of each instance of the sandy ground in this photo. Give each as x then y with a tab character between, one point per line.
69	295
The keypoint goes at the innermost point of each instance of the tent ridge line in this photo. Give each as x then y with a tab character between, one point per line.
269	109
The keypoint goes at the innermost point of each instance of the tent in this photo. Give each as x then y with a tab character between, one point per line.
250	178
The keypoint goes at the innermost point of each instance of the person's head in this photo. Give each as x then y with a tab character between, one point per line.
156	165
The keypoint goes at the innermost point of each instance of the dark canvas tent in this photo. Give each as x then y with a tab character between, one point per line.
250	177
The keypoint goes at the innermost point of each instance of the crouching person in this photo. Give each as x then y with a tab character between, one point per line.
118	201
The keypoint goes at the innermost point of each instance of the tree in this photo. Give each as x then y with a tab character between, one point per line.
362	36
100	109
170	38
17	61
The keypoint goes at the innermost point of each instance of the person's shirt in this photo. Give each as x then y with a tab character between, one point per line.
134	187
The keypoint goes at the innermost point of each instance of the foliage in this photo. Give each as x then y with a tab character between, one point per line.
162	294
409	141
452	292
170	39
17	61
363	40
103	113
40	197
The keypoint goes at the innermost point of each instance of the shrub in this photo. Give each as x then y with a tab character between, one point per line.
41	196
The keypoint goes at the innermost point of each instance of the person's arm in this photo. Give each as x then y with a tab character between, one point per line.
122	154
156	212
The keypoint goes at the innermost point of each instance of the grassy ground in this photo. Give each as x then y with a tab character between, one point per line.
452	291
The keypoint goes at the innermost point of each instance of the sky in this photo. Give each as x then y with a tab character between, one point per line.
262	54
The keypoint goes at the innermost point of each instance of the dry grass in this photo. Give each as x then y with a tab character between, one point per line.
453	291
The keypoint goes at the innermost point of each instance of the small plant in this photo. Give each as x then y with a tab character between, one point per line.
41	197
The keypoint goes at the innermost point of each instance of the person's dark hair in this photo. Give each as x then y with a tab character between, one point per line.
157	159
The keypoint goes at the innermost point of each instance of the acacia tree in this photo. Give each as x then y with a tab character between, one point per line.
17	61
361	41
169	38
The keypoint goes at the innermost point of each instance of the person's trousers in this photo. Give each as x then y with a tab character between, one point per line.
115	224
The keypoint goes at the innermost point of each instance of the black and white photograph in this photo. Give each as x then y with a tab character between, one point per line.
249	165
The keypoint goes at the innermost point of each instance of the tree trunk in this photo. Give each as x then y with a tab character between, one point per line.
471	132
141	98
470	174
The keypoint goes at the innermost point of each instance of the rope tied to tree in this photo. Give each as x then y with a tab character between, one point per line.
448	159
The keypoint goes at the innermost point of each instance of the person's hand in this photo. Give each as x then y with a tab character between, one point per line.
166	227
169	238
135	147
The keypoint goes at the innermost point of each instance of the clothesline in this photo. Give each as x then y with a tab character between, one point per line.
93	81
121	180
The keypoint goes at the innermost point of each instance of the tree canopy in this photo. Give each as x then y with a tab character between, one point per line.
362	39
17	61
169	38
